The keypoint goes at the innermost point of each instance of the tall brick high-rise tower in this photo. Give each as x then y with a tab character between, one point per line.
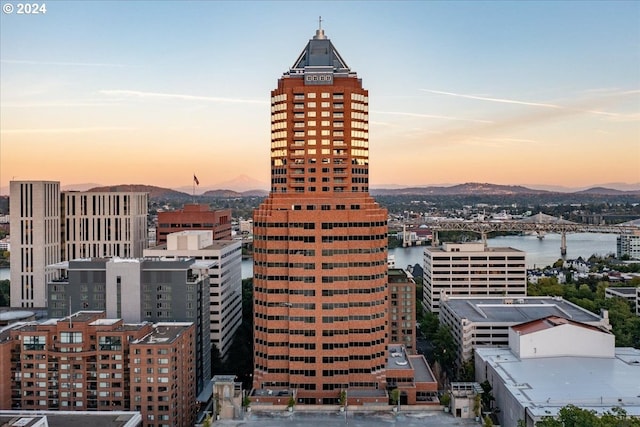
320	239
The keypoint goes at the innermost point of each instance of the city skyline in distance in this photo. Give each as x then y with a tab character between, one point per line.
529	93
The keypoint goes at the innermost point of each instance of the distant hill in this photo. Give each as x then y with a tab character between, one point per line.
469	188
79	187
255	193
234	194
240	184
607	191
154	192
221	193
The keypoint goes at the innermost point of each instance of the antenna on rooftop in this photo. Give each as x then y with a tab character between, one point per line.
319	32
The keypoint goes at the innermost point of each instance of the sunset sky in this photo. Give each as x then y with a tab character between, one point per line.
151	92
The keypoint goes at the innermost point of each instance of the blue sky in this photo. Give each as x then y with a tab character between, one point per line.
153	91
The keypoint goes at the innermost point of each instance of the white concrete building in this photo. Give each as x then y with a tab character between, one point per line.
225	278
5	244
246	226
628	244
554	362
631	294
477	322
471	269
35	233
104	224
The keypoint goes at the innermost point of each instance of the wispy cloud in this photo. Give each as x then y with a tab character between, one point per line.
58	104
430	116
588	105
484	98
56	63
65	130
156	95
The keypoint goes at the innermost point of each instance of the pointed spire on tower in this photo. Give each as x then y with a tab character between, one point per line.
319	32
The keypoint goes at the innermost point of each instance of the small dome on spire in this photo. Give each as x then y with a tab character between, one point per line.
319	32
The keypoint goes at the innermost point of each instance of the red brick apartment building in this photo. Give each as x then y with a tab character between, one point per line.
402	310
87	362
194	217
320	240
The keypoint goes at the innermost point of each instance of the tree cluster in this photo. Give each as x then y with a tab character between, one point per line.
572	416
591	296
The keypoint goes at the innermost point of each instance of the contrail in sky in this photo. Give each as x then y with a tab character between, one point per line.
483	98
139	94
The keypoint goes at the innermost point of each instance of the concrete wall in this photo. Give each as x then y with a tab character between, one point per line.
128	273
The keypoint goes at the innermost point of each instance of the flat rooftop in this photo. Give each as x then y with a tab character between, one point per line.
397	358
164	333
628	291
516	309
71	418
470	249
422	373
216	244
588	382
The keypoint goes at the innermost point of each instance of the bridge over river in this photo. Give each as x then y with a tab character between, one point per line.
539	224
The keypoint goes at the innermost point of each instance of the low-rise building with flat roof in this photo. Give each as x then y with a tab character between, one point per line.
555	362
412	376
484	322
70	419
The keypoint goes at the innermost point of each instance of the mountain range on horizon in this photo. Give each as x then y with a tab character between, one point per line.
246	184
470	188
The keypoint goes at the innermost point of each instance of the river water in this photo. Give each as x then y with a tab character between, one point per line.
540	252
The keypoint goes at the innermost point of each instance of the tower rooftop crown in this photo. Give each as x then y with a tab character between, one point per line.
319	55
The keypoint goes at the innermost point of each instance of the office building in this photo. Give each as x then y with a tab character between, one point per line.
225	278
140	290
554	362
87	361
472	269
104	224
35	236
477	322
194	217
628	293
628	245
48	227
320	239
402	309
